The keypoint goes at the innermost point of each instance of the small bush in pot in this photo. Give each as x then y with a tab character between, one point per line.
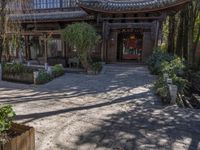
14	136
161	89
58	70
6	117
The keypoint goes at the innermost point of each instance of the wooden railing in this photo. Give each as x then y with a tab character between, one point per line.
44	5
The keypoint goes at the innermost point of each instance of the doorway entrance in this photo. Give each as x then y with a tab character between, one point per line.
130	46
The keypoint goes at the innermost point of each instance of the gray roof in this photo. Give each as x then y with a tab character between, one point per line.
128	5
50	16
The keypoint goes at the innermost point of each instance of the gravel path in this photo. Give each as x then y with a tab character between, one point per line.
114	110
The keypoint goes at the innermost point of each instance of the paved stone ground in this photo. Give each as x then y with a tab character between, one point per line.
114	110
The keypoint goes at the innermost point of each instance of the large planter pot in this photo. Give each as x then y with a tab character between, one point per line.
23	139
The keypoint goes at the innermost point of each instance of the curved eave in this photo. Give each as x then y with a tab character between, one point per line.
114	7
49	17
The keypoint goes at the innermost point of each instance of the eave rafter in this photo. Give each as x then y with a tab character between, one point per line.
130	6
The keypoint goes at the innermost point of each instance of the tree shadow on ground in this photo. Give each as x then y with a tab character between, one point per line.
71	87
144	127
36	116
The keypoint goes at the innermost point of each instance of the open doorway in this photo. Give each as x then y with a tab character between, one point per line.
130	46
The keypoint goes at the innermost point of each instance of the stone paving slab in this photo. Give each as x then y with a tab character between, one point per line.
114	110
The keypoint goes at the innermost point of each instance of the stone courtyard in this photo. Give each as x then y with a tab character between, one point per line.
114	110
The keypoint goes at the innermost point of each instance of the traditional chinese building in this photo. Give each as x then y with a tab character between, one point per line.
130	29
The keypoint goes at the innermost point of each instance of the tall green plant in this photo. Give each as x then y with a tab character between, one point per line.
84	38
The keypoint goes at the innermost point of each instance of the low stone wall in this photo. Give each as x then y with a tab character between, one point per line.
22	78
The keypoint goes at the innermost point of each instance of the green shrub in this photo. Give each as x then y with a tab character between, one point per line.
180	82
6	117
16	69
58	70
13	68
43	77
157	58
97	66
161	88
173	67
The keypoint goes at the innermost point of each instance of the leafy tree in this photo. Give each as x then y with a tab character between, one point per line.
6	24
3	5
183	31
84	38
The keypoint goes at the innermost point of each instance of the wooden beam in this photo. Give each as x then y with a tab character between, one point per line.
130	25
36	32
134	18
59	20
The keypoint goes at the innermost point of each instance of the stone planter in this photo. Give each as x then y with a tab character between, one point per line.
23	78
23	138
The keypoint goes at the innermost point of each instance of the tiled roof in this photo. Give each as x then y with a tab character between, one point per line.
128	5
50	16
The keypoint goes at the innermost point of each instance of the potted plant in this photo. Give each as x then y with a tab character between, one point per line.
14	136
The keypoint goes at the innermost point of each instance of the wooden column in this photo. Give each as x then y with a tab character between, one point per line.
112	47
157	33
29	48
148	45
65	51
26	46
45	49
105	34
103	42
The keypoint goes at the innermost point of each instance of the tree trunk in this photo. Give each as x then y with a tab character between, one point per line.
1	49
195	44
171	35
190	44
85	62
179	41
185	37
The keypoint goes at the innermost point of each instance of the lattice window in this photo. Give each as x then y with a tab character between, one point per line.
46	4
